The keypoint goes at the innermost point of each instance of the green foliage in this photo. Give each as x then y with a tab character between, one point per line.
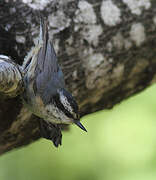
120	145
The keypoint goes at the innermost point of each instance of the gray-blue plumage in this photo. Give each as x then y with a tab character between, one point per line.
49	76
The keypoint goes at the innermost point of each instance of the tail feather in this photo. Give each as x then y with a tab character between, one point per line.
43	32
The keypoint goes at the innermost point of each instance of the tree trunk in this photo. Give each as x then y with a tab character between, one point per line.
107	50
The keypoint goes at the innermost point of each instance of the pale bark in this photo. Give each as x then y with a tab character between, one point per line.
107	51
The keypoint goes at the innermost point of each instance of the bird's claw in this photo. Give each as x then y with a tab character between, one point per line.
51	131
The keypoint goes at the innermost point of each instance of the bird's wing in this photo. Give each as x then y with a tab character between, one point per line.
49	76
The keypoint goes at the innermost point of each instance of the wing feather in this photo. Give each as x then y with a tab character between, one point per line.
49	76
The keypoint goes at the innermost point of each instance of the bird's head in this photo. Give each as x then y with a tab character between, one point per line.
66	104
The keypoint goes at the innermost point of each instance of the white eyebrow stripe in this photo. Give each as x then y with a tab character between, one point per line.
65	103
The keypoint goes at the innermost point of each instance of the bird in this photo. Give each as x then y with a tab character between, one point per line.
45	94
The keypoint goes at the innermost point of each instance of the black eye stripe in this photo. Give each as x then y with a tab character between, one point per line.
61	107
71	100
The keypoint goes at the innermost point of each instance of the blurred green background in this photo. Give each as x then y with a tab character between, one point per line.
120	145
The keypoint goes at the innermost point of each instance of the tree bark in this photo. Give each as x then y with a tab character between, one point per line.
107	50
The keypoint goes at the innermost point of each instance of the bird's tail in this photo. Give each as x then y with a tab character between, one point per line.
43	37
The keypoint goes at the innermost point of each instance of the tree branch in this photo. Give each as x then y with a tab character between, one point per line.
106	49
11	83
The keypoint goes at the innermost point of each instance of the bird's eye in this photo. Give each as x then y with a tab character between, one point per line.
77	116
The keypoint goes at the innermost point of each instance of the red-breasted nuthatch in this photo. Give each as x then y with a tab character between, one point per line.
45	94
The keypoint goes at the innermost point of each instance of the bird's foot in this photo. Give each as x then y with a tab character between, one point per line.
51	131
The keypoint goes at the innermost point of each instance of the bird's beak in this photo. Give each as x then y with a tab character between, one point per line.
80	125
